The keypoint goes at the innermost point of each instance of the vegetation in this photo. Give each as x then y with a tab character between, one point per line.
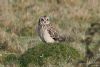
20	45
46	53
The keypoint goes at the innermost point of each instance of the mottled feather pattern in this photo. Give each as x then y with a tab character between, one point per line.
48	32
55	34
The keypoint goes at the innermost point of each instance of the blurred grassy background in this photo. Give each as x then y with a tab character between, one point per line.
79	19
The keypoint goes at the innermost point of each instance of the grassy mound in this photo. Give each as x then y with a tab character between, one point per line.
43	54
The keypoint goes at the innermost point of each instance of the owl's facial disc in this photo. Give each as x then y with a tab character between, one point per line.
44	20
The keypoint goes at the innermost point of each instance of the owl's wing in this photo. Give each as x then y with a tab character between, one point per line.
55	34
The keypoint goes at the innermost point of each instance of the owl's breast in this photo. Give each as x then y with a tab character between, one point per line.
47	37
44	35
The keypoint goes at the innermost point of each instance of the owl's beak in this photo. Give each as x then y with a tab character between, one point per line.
44	21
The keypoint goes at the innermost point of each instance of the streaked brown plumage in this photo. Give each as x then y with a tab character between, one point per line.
47	32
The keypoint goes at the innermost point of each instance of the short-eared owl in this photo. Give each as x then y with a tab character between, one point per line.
47	32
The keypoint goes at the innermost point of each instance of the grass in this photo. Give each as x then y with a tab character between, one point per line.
43	54
79	20
56	53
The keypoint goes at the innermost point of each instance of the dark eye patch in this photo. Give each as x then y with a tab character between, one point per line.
47	19
42	19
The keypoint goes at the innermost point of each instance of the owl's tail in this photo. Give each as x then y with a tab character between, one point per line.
66	39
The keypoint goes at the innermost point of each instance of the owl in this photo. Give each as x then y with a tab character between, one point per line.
47	32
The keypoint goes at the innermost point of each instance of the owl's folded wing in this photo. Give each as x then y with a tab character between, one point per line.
55	35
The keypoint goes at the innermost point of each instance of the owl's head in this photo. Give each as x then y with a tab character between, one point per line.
44	20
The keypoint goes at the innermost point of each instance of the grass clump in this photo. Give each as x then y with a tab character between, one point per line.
11	58
56	53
